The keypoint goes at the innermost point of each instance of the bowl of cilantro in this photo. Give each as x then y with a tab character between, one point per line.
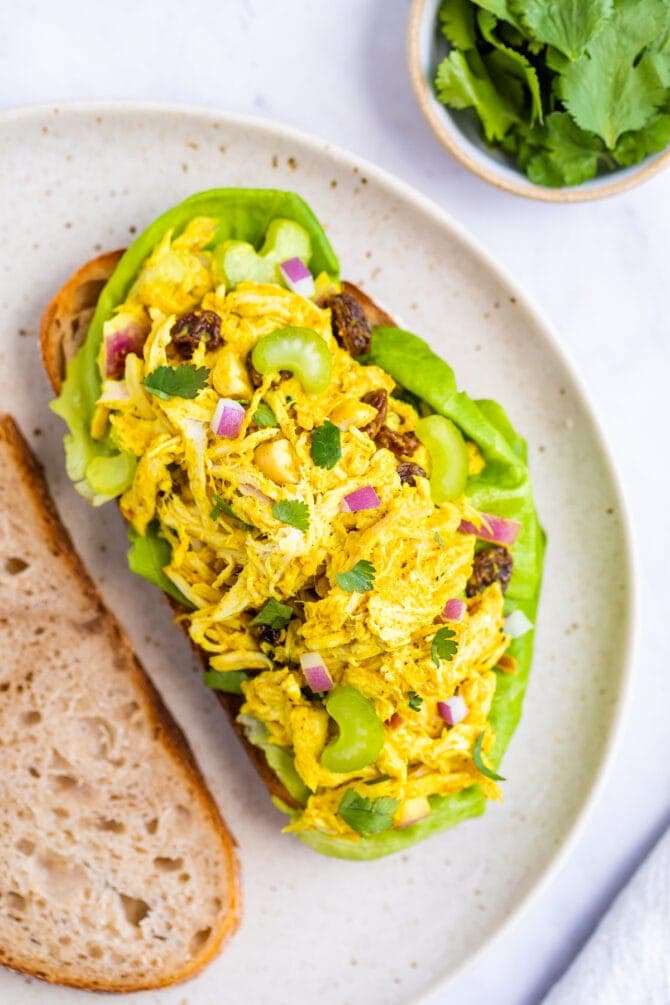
549	99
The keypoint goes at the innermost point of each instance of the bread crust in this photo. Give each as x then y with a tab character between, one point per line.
56	354
168	732
65	321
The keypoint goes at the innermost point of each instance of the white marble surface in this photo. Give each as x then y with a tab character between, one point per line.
599	271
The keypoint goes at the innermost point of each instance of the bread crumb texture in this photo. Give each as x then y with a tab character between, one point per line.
117	871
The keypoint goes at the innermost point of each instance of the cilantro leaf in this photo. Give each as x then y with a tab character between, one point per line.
439	539
635	146
458	23
568	25
414	700
223	506
183	381
508	67
293	512
596	72
462	85
226	680
274	614
367	816
571	155
479	763
617	85
326	447
443	646
264	417
359	579
503	9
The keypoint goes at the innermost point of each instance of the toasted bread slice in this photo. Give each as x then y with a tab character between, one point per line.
65	321
117	872
64	327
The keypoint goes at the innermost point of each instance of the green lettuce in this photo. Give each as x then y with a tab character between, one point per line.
502	488
101	472
95	466
147	557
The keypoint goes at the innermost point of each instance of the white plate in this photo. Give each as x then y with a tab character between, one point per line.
79	179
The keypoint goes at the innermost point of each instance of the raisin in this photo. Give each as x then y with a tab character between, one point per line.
379	400
255	377
268	634
489	566
400	444
409	471
350	325
189	329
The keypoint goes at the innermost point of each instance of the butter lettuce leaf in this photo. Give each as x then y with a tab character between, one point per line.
504	488
242	214
148	556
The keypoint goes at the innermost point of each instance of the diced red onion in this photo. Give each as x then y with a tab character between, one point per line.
250	490
493	528
454	610
297	277
452	711
316	672
363	498
517	624
119	344
228	418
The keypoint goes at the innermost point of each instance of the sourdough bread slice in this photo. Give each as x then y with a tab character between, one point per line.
116	869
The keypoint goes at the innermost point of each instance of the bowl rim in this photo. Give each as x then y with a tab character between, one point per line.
527	189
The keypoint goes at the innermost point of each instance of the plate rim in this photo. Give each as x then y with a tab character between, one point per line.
319	145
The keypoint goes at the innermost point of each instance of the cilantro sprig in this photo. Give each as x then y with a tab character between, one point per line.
294	512
274	614
359	579
326	446
443	646
183	381
223	506
414	700
367	816
479	762
264	417
568	90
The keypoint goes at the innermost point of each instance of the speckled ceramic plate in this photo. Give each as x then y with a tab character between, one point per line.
76	180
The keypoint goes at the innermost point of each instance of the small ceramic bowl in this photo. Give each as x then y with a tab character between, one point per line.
459	133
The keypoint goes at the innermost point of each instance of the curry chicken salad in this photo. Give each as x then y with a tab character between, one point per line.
336	524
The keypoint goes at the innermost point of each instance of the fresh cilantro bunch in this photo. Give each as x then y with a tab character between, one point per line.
567	88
